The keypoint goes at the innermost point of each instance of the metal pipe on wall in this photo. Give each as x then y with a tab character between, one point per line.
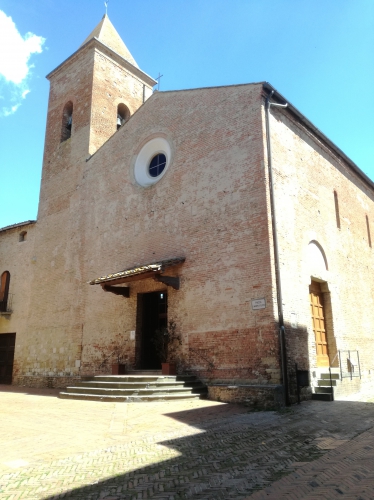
282	340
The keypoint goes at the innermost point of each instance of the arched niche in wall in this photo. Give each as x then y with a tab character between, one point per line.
123	114
4	290
67	121
317	260
22	236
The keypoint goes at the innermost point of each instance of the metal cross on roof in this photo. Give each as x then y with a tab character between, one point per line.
106	7
158	78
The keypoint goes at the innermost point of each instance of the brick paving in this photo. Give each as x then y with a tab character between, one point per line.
53	448
346	473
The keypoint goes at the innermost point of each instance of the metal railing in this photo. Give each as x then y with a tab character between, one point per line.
349	362
6	306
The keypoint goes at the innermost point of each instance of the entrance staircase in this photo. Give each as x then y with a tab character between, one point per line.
324	391
137	386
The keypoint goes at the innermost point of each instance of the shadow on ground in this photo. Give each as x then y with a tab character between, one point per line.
228	457
30	391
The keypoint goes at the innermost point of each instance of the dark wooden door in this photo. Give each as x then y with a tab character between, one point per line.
317	310
7	343
154	318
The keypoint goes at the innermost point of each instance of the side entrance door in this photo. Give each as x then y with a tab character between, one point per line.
318	321
7	343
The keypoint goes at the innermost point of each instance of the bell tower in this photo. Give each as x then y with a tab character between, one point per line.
92	92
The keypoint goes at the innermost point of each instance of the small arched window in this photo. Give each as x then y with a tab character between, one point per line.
368	230
22	236
67	121
123	114
337	214
4	290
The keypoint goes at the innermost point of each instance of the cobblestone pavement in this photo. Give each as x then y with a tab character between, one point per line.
53	448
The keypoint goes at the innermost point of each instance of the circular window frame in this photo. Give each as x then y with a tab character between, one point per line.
155	146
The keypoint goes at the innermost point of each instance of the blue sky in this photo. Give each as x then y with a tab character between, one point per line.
318	53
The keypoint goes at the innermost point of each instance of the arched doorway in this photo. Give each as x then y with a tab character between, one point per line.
318	313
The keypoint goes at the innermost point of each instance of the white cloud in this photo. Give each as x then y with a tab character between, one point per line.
10	111
15	54
16	50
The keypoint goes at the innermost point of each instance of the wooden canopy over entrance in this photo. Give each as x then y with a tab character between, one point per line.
154	270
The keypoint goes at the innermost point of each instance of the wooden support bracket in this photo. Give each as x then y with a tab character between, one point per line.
172	281
117	290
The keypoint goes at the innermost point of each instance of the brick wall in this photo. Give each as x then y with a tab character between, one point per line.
215	185
211	207
104	222
307	172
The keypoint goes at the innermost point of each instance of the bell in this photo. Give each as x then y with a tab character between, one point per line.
69	123
119	122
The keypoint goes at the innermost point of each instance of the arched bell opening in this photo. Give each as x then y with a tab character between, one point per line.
123	114
67	121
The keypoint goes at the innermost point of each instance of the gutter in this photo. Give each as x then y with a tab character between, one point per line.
282	332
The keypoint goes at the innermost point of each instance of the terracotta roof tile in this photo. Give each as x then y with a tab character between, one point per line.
156	267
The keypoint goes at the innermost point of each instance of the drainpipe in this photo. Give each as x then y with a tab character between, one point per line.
282	340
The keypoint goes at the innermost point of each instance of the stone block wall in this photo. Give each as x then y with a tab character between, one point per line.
17	257
43	381
256	397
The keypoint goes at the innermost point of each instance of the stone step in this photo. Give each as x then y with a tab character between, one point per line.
326	383
324	390
131	385
144	372
128	392
334	376
129	399
138	387
322	397
132	378
195	383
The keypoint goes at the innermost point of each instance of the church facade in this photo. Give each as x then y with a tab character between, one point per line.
221	211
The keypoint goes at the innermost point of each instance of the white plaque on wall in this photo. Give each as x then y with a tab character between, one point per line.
258	304
132	335
293	320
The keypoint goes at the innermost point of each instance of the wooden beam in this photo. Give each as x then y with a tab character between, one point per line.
117	290
172	281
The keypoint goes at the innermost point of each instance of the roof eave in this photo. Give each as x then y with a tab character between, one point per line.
278	96
95	41
19	224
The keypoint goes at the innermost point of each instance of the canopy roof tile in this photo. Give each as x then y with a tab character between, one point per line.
154	268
